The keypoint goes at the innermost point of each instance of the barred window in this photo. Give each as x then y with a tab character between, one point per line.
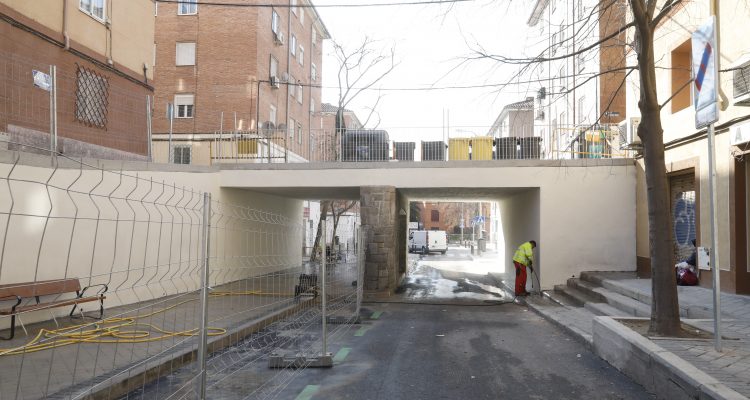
91	98
181	154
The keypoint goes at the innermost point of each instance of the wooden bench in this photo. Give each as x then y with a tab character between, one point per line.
18	292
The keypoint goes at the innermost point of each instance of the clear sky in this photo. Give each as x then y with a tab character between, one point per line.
432	43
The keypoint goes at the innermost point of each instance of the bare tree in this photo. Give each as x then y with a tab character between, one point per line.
359	70
647	15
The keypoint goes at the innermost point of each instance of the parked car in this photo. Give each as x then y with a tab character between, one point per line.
428	241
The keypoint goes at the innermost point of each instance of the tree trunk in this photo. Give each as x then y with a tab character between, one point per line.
323	215
665	316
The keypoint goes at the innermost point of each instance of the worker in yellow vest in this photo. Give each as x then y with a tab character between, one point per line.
523	258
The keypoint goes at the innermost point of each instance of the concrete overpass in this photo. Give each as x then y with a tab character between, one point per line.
582	212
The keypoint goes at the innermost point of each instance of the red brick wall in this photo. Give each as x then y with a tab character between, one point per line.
26	107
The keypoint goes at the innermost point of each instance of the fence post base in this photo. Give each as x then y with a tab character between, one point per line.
279	361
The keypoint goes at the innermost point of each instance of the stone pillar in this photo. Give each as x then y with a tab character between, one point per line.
379	214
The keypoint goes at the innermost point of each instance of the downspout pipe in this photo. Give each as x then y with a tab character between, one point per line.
66	38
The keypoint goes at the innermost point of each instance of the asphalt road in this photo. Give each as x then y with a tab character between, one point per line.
417	351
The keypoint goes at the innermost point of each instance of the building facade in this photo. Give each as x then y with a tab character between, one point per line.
515	120
686	153
580	99
244	82
103	56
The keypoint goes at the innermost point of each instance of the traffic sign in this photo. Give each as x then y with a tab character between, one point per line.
705	75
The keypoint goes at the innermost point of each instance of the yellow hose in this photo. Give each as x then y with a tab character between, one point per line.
112	330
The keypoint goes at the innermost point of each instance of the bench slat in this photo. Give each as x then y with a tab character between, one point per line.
42	306
40	288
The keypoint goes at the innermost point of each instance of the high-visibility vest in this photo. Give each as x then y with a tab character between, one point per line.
525	254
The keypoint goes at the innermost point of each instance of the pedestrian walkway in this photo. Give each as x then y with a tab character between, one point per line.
575	305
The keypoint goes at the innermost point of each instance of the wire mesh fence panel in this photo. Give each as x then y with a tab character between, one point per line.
99	273
101	282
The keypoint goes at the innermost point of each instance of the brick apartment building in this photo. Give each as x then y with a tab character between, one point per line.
103	55
236	69
446	216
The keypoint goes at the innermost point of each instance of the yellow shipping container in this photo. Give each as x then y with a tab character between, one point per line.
481	148
458	148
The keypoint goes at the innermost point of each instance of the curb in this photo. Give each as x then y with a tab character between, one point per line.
658	370
582	337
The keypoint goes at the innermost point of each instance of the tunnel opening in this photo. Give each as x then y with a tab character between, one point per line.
460	242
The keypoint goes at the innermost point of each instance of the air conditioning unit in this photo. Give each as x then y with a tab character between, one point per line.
541	93
275	82
741	82
278	38
629	131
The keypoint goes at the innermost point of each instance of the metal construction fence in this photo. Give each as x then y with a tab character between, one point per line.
363	145
116	283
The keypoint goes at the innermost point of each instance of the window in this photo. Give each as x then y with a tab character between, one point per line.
554	43
681	74
581	63
183	103
154	64
314	35
275	22
293	45
580	9
187	7
301	55
273	70
562	34
291	85
299	133
91	98
435	216
312	106
94	8
299	93
302	16
294	7
554	5
313	73
581	113
181	154
562	79
185	54
292	125
272	114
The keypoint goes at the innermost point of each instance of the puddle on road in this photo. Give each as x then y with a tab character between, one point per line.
424	282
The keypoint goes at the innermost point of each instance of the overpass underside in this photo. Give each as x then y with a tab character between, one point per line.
581	212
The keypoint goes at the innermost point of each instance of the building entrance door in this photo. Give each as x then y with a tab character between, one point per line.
683	206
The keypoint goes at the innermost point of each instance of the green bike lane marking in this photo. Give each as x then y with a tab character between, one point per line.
376	315
341	354
361	331
308	392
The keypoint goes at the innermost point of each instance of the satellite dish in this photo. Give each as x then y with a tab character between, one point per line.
268	128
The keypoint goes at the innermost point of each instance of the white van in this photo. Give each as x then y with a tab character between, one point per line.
428	241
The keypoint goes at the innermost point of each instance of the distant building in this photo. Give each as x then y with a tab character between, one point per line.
232	70
104	60
582	94
515	120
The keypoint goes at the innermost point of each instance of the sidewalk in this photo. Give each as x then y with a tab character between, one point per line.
621	295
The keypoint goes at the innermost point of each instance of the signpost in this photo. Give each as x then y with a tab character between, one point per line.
706	101
48	82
